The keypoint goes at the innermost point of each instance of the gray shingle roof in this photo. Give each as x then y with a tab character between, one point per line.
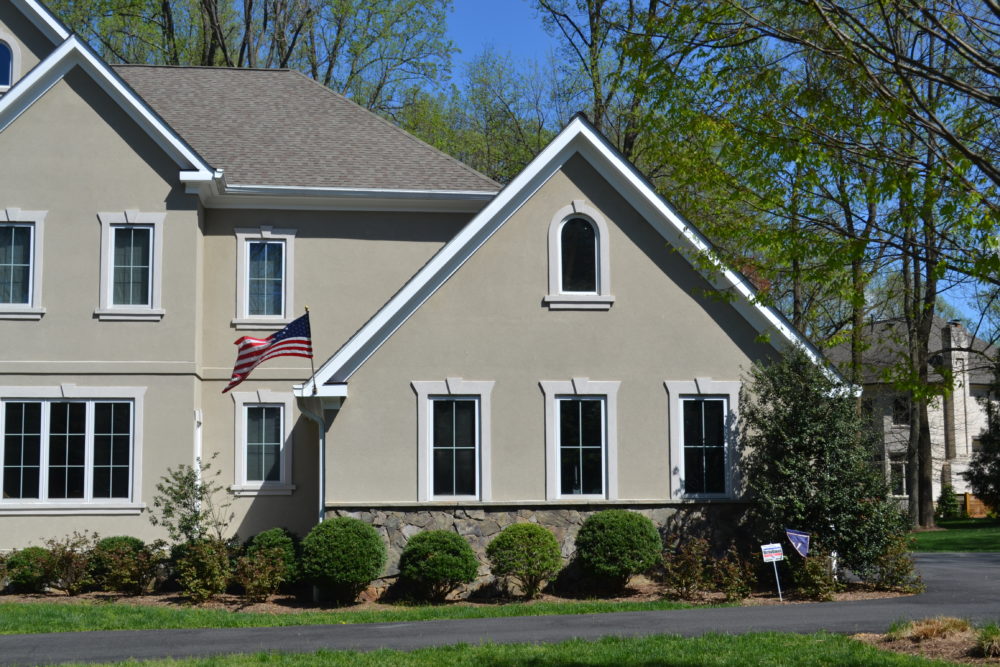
886	342
278	127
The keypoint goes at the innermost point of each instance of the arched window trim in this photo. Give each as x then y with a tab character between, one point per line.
557	299
6	39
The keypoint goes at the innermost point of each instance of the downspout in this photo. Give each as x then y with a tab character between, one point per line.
321	426
197	444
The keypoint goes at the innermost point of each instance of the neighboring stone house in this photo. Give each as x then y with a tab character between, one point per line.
957	415
484	356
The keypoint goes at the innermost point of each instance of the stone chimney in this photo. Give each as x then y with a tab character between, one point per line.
955	343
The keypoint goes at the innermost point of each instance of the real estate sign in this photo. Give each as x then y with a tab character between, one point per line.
772	552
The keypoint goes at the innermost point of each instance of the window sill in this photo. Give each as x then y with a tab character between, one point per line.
578	301
129	314
268	490
10	312
53	509
272	324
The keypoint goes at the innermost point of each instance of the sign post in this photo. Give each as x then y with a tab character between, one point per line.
772	554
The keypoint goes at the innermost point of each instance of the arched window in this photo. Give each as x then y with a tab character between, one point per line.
579	263
578	256
6	65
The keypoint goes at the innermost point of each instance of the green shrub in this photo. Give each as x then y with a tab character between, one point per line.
734	576
28	570
126	564
69	562
813	577
285	541
613	545
895	570
948	506
342	556
685	569
527	553
435	562
203	569
260	571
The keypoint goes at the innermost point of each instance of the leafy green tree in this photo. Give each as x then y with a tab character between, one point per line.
983	474
188	506
809	464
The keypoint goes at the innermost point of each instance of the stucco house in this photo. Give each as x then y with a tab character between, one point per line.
483	355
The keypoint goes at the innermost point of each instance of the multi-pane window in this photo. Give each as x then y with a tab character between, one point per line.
704	445
581	445
454	445
15	264
263	443
63	450
131	268
6	65
897	477
265	278
578	256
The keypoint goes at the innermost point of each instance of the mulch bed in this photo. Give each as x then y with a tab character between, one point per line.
958	647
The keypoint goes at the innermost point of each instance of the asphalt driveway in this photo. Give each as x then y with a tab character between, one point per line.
966	585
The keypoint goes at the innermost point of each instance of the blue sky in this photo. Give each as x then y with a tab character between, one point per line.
511	26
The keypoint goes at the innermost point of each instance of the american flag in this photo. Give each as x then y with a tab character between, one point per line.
292	341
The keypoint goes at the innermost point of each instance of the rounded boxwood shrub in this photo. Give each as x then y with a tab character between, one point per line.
435	562
527	553
108	555
126	564
203	569
28	570
286	542
342	556
613	545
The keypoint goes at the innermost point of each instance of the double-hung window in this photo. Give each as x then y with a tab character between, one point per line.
20	263
453	439
265	268
131	272
579	262
581	438
263	443
69	450
702	414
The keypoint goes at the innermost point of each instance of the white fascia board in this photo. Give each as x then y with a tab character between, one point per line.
577	137
43	19
74	53
258	197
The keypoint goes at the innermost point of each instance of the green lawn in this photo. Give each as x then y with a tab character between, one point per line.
35	617
752	649
960	535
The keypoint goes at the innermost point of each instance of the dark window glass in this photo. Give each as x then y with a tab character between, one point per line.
578	244
266	277
581	446
22	449
264	444
901	411
15	263
112	449
131	266
455	438
6	65
67	449
704	426
897	478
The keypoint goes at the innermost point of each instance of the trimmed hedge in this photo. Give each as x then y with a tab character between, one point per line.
342	556
527	553
435	562
613	545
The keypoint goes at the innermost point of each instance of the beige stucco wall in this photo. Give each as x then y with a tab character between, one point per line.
487	322
30	44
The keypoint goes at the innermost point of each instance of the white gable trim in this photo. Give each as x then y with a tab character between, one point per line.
43	19
577	137
74	53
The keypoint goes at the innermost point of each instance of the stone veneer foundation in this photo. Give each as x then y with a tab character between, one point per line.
717	521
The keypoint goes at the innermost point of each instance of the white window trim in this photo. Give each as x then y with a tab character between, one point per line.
702	388
482	390
243	400
130	505
243	319
107	310
557	299
555	389
32	310
15	59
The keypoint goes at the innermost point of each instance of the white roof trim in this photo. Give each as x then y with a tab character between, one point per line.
74	53
43	19
379	193
577	137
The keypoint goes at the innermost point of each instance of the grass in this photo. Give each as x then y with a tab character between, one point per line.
988	641
769	649
960	535
928	628
37	617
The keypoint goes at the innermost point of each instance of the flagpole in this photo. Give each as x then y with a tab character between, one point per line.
312	362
